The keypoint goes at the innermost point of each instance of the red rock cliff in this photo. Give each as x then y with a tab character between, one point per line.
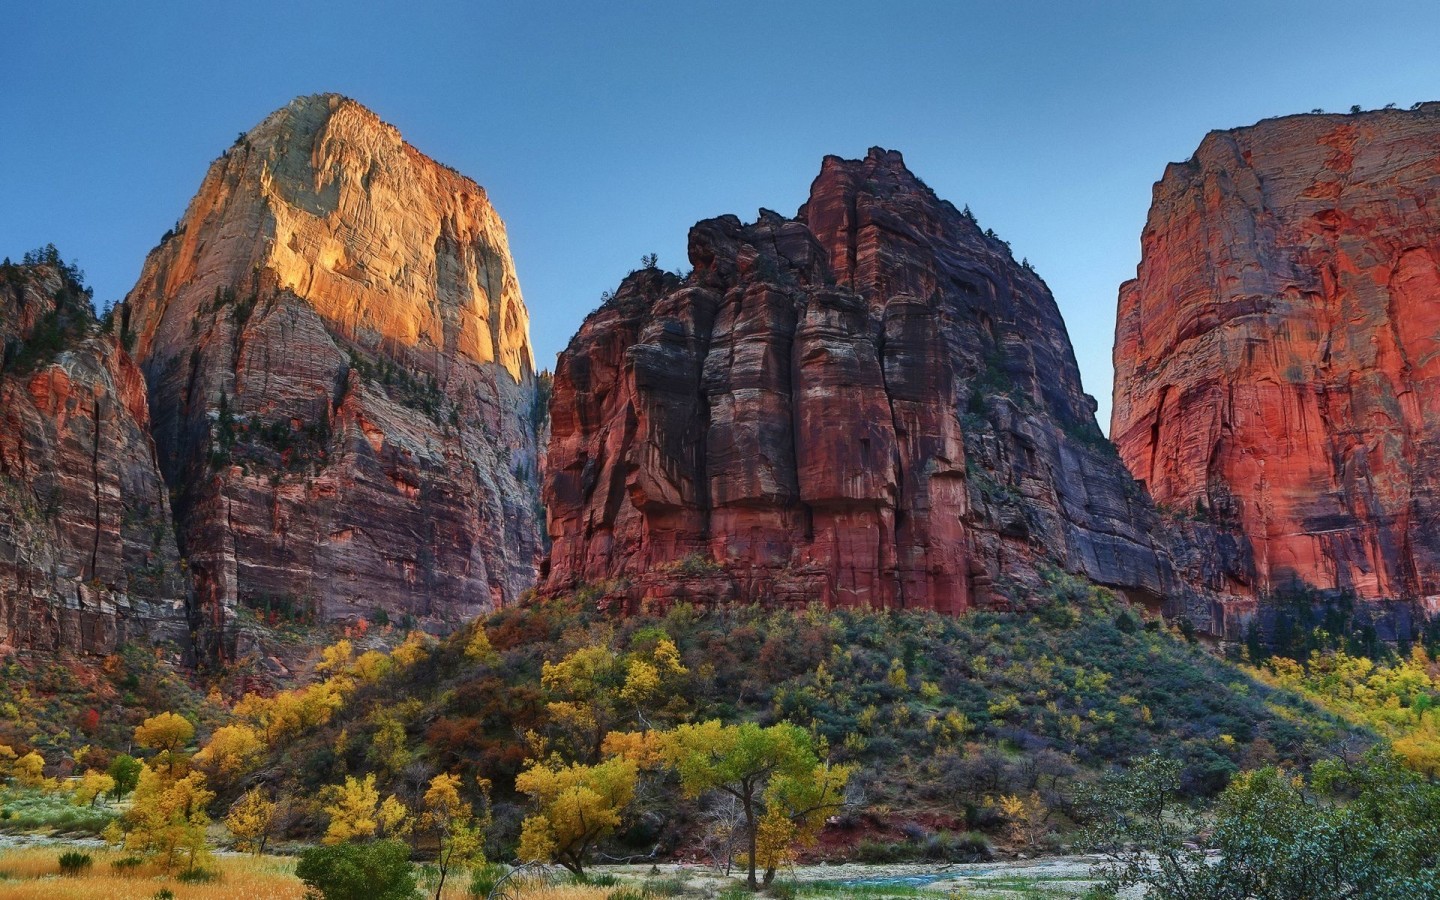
87	554
869	404
340	379
1277	356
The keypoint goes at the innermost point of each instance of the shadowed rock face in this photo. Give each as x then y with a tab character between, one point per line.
87	554
1278	354
869	404
340	379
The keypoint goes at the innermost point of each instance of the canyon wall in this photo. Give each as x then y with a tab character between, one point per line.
1277	357
340	381
870	404
88	559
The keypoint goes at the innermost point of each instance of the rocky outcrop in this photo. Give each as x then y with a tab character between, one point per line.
870	404
341	380
87	555
1277	356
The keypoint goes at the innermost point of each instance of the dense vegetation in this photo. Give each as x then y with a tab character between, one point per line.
944	720
1356	827
557	731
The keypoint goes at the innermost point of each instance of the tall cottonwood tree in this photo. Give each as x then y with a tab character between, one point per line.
783	788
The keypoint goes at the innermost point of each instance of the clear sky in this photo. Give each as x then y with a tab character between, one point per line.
603	130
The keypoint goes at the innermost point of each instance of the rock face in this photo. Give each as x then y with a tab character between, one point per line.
341	380
1277	356
868	404
87	555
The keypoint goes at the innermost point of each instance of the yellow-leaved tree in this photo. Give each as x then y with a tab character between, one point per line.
389	746
451	820
796	807
167	734
371	666
232	751
783	788
576	805
336	658
416	646
290	712
597	690
477	646
357	813
29	770
167	818
91	786
251	819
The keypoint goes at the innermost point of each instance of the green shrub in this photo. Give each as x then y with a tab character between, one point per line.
484	878
126	864
672	886
198	876
605	879
125	769
378	871
876	852
73	862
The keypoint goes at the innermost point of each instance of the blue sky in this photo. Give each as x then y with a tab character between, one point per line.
603	130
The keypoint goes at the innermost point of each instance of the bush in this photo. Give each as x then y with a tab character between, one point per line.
604	879
672	886
378	871
947	846
126	864
879	852
198	876
73	862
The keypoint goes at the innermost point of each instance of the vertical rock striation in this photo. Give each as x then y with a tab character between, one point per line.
87	554
868	404
341	380
1277	356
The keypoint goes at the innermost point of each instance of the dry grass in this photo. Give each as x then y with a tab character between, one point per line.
32	873
569	892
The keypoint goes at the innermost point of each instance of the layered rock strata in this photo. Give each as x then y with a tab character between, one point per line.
1277	356
868	404
88	559
341	380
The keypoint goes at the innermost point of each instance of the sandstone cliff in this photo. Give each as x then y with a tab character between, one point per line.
87	555
340	379
871	403
1277	356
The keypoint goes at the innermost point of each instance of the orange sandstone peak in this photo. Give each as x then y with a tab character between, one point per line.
330	203
340	381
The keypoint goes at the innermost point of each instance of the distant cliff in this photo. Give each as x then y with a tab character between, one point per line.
340	380
1277	357
87	554
871	404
